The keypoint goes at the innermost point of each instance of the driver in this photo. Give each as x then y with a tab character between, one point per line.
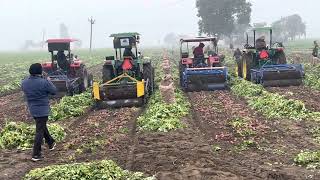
128	52
62	60
261	43
198	51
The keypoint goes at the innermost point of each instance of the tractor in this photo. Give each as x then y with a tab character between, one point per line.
128	79
69	75
266	64
203	72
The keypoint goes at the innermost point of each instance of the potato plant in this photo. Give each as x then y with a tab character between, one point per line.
71	106
21	135
99	170
269	104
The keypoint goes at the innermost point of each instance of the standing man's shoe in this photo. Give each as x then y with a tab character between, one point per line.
52	146
37	158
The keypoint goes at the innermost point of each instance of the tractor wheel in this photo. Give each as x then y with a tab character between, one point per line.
107	73
181	70
246	65
148	75
84	79
239	69
280	58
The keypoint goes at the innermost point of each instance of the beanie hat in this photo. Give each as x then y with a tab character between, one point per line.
35	69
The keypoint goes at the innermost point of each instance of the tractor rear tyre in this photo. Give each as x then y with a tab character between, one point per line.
280	58
181	70
148	76
107	73
246	65
84	79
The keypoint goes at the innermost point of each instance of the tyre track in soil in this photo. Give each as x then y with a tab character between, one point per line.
13	106
211	112
110	127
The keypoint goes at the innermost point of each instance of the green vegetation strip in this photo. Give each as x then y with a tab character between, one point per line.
163	117
71	106
21	135
269	104
310	159
312	76
95	171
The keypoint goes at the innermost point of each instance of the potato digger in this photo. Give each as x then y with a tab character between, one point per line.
128	80
267	65
204	72
69	75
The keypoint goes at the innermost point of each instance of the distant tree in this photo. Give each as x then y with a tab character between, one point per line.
64	33
222	17
289	27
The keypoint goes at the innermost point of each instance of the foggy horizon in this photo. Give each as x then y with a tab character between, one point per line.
26	20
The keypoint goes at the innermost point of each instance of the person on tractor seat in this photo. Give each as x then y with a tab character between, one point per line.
199	55
128	52
261	43
62	61
198	51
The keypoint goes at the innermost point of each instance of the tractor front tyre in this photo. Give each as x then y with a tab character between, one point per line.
148	76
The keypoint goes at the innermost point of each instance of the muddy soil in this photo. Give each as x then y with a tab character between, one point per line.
308	96
103	134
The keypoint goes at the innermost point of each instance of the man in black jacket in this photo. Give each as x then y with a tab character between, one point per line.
37	91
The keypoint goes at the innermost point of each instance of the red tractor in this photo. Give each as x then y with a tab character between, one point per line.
67	73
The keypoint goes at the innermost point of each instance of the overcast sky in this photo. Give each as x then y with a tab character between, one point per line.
26	19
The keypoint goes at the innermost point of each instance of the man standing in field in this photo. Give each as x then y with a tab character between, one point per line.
37	91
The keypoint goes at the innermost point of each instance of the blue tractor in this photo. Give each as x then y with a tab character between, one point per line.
205	72
266	64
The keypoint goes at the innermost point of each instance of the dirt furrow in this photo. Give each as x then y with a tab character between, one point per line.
270	152
102	134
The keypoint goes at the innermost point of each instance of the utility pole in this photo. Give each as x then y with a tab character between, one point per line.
92	21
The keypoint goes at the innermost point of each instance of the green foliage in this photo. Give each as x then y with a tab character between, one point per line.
246	144
71	106
164	117
99	170
246	88
222	17
269	104
21	135
310	159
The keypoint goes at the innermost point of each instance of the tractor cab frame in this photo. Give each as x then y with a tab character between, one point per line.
69	76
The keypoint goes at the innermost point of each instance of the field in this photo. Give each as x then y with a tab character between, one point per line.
245	132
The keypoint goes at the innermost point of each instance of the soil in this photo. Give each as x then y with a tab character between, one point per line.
208	148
